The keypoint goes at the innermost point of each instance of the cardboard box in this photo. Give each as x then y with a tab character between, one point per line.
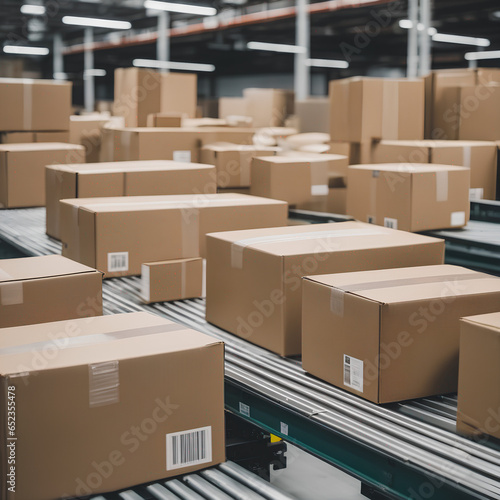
314	114
478	400
22	170
122	178
50	288
178	144
254	277
171	280
52	136
332	164
357	153
232	162
115	395
391	335
164	120
336	202
120	234
268	107
232	106
30	137
84	125
409	197
28	104
179	93
479	156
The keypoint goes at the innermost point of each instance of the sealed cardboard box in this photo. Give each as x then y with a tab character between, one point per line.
391	335
336	202
233	162
171	280
254	277
120	234
313	115
232	106
268	107
85	125
28	104
478	399
50	288
479	156
409	197
179	93
164	120
22	170
124	399
123	178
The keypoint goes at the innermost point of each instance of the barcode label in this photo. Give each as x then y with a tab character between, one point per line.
353	373
284	428
390	223
187	448
457	219
244	409
182	156
117	261
476	194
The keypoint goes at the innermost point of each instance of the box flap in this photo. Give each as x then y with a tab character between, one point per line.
491	320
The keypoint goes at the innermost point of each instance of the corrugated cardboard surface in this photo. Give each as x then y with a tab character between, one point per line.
156	228
314	114
106	401
136	178
409	197
179	93
268	107
164	120
254	285
22	170
50	288
401	326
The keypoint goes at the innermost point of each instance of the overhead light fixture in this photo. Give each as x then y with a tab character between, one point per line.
25	51
487	54
180	8
327	63
406	24
180	66
96	23
33	10
94	72
461	40
276	47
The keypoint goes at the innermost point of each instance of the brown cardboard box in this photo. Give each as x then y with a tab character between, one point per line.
478	399
232	106
179	93
268	107
122	178
107	144
30	137
28	104
80	126
120	234
52	136
178	144
22	170
391	335
314	114
479	156
332	164
254	277
164	120
114	396
50	288
232	161
336	202
409	197
171	280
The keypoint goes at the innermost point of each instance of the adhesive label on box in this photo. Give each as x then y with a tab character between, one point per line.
284	428
188	448
457	219
145	283
117	261
244	409
182	156
476	194
390	223
353	373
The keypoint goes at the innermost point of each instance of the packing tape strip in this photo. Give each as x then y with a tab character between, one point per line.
442	185
373	197
27	104
337	301
145	282
466	156
237	247
390	122
245	167
183	278
11	290
196	203
104	384
190	228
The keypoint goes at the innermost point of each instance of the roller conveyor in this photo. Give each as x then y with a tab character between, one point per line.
405	450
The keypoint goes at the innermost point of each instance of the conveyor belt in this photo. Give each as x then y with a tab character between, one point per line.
406	450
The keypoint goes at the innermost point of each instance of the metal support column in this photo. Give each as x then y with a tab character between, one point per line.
425	40
163	40
412	57
303	40
88	75
57	58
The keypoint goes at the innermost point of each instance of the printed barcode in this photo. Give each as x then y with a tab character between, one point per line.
371	219
347	375
390	223
188	448
117	261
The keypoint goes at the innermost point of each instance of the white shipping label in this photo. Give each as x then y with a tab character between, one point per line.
145	283
457	219
390	223
182	156
319	190
117	261
244	409
476	194
188	448
353	373
284	428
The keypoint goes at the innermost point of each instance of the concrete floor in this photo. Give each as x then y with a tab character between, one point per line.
309	478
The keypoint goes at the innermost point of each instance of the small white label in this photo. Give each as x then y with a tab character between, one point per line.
187	448
319	190
371	219
390	223
145	283
353	373
457	219
284	428
182	156
476	194
244	409
117	261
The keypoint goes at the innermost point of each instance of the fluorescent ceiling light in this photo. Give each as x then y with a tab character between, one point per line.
488	54
96	23
94	72
327	63
407	24
25	51
33	10
181	66
462	40
276	47
180	8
